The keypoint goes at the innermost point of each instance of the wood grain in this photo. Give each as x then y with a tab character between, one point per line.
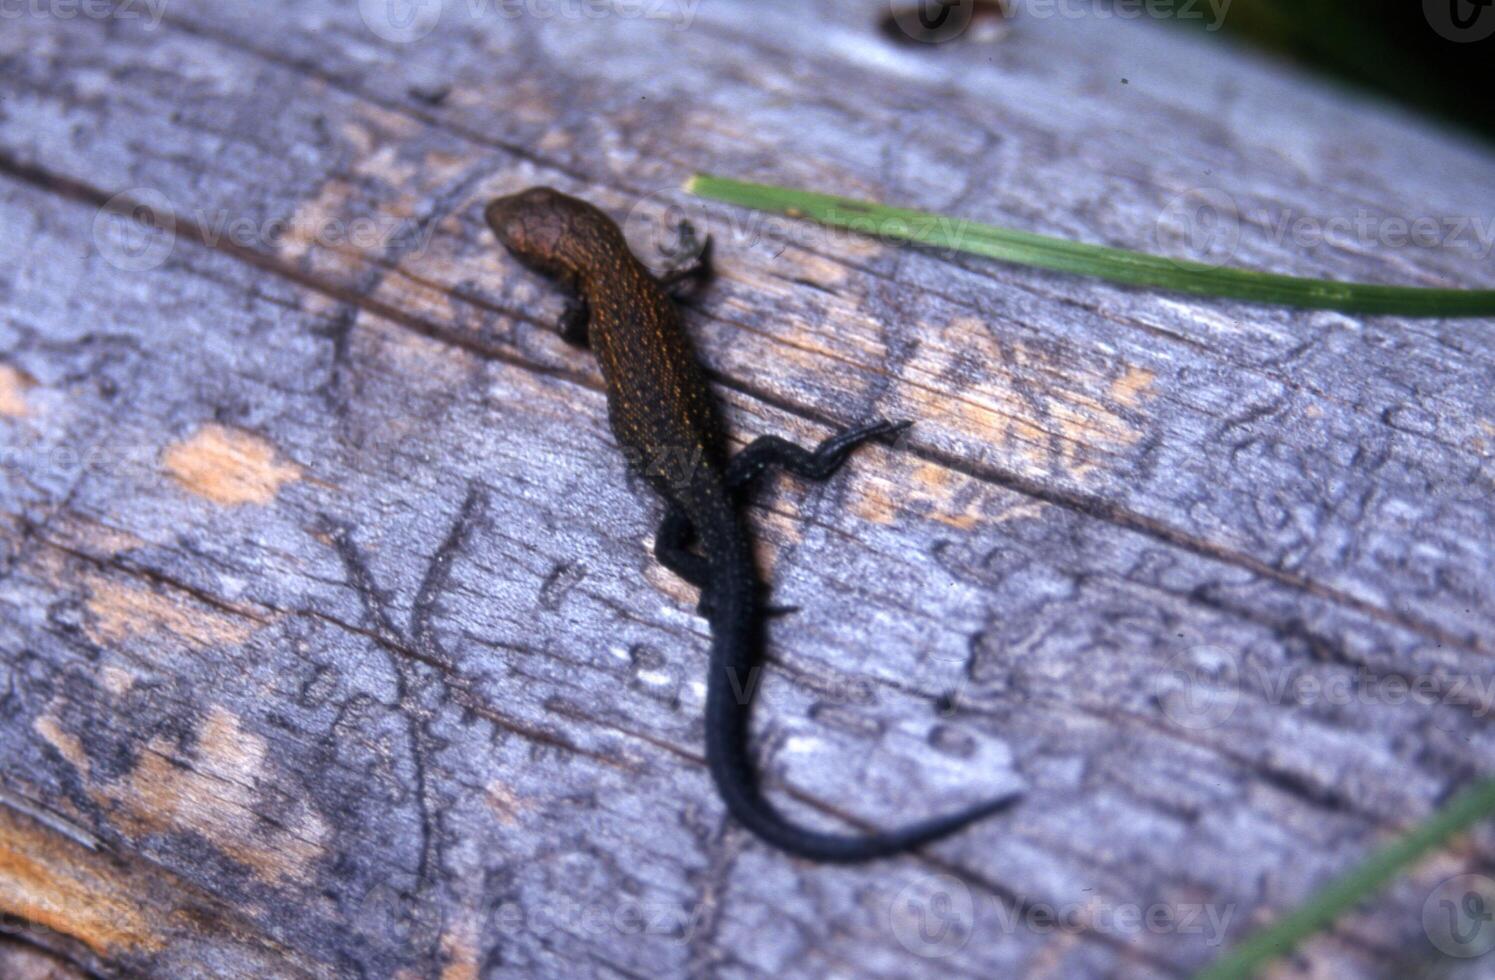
332	645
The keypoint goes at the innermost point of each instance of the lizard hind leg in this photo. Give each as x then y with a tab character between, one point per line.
672	550
748	466
812	464
673	539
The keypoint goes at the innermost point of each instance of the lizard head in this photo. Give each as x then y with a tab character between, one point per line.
551	232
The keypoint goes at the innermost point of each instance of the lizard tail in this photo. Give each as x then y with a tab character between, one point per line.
736	641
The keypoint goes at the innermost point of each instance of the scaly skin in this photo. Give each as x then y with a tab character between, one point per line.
663	416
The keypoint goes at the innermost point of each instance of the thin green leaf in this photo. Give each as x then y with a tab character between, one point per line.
1475	804
1114	264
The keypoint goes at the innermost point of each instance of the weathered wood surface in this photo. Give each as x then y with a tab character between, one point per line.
331	641
23	961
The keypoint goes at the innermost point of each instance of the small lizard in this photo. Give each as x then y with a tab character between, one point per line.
660	407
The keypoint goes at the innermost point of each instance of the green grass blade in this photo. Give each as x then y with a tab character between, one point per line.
1114	264
1465	810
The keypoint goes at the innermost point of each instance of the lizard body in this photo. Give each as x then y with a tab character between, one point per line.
660	408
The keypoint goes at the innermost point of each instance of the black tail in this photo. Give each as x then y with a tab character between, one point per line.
736	641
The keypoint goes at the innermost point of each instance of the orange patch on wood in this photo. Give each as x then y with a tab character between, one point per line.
930	489
939	486
824	272
1480	446
1025	510
771	533
121	611
460	948
1134	385
554	141
884	500
504	803
56	883
14	384
216	798
994	424
679	591
1049	421
66	743
307	229
875	508
116	681
228	466
113	540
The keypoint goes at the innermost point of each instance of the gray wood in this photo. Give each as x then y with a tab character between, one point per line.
332	641
22	961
